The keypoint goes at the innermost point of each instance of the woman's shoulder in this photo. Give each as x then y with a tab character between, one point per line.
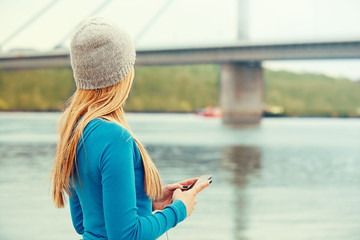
110	135
103	129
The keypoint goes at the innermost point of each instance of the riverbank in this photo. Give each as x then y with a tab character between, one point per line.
265	114
186	89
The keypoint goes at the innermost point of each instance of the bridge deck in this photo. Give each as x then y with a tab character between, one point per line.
199	55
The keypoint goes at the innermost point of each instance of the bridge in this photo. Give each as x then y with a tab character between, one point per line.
241	78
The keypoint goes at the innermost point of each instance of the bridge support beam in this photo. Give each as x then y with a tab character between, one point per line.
241	92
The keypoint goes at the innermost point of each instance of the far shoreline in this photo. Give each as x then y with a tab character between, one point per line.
265	115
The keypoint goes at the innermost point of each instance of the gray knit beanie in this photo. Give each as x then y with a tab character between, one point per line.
101	53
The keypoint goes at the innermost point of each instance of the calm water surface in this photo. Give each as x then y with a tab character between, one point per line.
287	178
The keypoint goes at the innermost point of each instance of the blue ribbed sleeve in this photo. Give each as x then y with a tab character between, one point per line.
76	212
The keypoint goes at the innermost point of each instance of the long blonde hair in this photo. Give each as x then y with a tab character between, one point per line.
90	104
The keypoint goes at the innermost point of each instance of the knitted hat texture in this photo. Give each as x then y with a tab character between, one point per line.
101	54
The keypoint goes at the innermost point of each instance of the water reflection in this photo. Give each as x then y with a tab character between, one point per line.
243	162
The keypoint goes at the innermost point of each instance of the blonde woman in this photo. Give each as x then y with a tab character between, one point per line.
112	183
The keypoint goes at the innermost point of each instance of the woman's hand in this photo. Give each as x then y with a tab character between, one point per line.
168	191
189	197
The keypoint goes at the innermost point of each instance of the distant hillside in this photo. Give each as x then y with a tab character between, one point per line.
35	90
312	94
186	89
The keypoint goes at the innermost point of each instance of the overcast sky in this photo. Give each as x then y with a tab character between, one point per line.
195	22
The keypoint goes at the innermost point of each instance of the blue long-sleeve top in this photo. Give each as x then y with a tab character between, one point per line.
109	201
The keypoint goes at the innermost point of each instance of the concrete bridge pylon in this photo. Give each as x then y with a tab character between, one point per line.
242	92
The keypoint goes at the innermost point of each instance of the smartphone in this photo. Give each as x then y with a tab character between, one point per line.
201	179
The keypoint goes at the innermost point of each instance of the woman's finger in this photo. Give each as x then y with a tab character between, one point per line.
188	181
200	187
174	186
176	193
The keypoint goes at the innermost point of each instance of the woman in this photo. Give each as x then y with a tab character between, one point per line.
112	183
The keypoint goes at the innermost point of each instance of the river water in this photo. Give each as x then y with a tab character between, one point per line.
287	178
